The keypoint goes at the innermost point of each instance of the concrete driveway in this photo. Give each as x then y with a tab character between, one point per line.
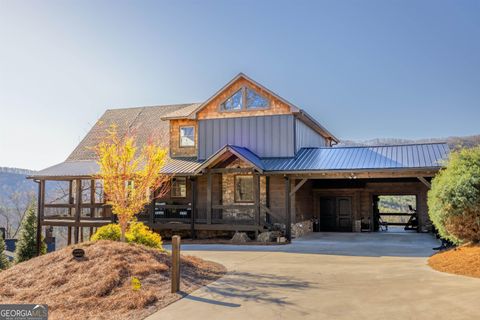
329	276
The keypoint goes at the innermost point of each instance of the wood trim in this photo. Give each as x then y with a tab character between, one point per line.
298	186
425	182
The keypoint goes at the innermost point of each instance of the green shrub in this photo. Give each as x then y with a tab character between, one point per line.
27	243
4	262
454	199
137	232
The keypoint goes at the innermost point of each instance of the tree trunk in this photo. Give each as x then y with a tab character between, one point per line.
123	228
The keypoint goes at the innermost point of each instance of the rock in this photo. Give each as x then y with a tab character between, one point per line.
300	229
240	237
269	236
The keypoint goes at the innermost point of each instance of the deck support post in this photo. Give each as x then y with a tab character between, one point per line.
193	205
256	191
209	197
40	213
288	220
78	208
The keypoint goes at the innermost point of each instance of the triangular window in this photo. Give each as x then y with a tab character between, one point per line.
255	101
235	102
245	98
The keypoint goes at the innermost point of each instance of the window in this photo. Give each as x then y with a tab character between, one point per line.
255	101
179	187
243	188
187	136
235	102
245	98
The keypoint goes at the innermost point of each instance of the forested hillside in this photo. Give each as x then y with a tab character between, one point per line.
453	142
16	192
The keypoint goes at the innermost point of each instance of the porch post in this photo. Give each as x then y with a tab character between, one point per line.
92	197
288	223
40	213
193	208
209	197
256	191
78	208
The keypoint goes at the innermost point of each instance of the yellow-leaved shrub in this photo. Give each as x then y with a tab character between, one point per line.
137	232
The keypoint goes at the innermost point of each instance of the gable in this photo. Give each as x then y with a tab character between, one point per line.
212	108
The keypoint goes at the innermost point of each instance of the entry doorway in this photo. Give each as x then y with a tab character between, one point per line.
336	214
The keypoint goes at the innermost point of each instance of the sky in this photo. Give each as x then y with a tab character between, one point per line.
364	69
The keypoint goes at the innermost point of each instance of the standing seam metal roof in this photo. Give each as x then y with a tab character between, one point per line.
411	156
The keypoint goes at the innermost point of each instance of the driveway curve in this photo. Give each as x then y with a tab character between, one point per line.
329	276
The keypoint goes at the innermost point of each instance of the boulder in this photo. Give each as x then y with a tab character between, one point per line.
269	236
240	237
300	229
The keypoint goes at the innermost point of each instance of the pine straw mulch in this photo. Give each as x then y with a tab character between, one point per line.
464	260
99	287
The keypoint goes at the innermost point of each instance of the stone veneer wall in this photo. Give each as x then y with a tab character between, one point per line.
228	193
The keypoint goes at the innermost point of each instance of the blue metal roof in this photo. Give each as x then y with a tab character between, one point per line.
428	155
248	155
412	156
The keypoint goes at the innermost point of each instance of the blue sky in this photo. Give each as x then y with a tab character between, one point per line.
364	69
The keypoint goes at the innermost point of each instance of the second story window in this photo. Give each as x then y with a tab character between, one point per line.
235	102
254	100
245	98
187	136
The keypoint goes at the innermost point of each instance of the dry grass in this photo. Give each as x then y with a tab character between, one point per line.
99	287
463	260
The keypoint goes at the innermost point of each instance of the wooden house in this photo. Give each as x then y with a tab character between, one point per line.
245	159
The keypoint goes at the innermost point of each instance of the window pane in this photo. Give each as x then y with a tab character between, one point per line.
254	100
187	137
235	102
244	188
179	187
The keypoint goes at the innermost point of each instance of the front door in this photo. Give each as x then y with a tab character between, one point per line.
344	214
328	216
335	214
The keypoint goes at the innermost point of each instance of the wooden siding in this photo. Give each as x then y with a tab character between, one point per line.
304	208
212	109
307	137
266	136
175	149
362	198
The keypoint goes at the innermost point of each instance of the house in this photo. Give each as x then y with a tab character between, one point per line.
248	160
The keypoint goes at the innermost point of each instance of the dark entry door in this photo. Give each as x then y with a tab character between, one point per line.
335	214
328	216
344	214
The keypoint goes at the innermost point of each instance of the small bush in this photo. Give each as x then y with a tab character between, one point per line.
137	232
454	199
109	232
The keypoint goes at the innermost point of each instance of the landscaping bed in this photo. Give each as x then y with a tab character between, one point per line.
464	260
100	285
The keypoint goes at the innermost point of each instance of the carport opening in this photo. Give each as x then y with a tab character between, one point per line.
395	213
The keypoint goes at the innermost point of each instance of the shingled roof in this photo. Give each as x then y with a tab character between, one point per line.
144	122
